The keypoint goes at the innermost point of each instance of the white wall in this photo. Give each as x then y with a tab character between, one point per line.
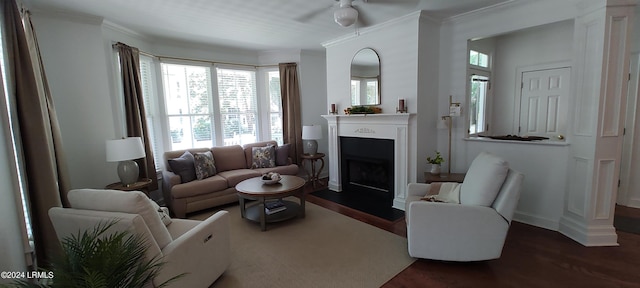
539	205
407	48
313	94
543	187
550	43
629	192
83	77
73	53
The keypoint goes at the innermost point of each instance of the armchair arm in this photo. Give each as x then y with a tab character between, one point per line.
169	179
418	189
447	231
203	253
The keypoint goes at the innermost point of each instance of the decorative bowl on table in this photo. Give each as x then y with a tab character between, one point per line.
271	178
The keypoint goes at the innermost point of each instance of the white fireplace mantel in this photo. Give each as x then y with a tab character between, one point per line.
380	126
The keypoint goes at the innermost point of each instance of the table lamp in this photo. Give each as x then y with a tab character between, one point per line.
310	134
125	151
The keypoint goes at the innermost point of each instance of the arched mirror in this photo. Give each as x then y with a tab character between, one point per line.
365	78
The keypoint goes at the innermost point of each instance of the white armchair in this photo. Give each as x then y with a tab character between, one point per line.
201	249
476	228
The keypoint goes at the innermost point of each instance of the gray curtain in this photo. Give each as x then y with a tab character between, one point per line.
292	121
38	138
134	109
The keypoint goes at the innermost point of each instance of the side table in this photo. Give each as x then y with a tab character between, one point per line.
141	185
444	177
313	175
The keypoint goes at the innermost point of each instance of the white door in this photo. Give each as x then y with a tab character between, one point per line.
544	101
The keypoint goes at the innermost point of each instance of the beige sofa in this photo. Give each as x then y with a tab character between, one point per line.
233	165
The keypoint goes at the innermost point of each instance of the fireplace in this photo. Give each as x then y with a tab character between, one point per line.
392	129
367	166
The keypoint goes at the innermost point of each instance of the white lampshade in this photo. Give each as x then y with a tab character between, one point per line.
124	149
312	132
345	16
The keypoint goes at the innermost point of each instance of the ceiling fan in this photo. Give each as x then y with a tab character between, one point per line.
346	15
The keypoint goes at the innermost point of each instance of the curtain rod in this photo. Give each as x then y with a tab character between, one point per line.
196	60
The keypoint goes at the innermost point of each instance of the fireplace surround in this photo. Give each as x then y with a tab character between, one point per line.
376	126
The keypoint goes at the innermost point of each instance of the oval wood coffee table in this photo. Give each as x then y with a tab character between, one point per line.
255	189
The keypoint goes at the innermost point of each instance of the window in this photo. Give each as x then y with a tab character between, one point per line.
237	98
187	94
364	90
275	106
355	92
151	108
220	105
478	104
478	59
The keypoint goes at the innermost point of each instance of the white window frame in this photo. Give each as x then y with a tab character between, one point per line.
152	110
263	112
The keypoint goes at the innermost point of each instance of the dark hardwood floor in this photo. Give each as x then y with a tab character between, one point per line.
532	257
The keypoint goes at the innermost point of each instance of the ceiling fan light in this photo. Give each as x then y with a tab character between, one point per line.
345	16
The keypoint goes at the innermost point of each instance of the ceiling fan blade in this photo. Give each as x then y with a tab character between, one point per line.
403	3
314	13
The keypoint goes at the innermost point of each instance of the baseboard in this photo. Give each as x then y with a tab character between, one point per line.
634	202
398	204
536	221
590	236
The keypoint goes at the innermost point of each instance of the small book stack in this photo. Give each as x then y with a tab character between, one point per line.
274	207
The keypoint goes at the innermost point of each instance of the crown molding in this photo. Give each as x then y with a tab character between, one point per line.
68	16
481	11
375	28
124	30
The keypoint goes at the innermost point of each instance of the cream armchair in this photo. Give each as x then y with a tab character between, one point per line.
201	249
474	229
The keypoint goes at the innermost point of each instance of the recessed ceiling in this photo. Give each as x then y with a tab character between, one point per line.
251	24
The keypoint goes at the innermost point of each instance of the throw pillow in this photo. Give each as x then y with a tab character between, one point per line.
204	165
263	157
282	155
448	192
184	167
483	180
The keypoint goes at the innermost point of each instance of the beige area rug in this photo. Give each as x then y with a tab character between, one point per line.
324	249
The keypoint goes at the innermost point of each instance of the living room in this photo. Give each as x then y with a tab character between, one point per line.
422	61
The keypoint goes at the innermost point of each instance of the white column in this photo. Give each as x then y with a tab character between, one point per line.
602	35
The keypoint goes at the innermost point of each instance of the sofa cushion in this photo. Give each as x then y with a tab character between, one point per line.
263	157
236	176
229	158
204	186
184	167
291	169
282	155
483	180
248	150
134	202
204	165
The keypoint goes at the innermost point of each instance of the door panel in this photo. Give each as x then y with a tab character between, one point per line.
544	100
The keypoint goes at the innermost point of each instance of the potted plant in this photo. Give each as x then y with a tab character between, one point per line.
435	163
96	259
